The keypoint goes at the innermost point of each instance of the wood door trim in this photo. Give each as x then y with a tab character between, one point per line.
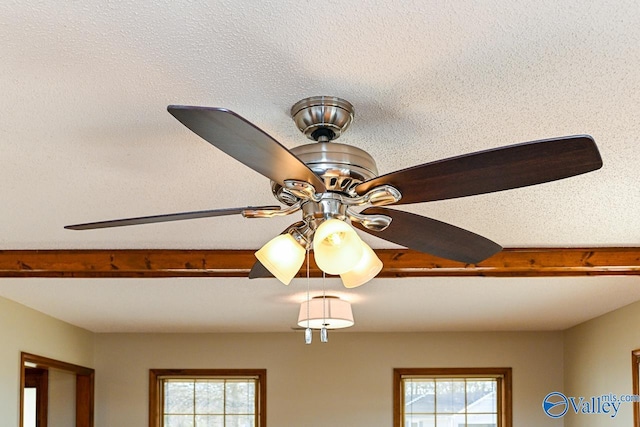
85	384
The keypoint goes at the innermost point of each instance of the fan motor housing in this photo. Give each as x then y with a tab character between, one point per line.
342	167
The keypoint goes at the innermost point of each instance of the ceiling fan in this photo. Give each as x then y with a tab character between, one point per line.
333	184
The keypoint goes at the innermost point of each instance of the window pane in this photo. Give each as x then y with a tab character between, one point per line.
483	420
178	397
420	421
178	421
450	396
450	420
419	396
209	420
481	396
240	397
209	396
240	421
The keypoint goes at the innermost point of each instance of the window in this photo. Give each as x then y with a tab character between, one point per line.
452	397
635	372
207	398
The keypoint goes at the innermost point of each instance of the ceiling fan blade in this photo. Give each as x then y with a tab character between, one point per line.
246	143
165	218
492	170
432	236
259	271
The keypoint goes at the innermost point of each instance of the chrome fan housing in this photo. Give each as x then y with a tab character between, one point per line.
341	167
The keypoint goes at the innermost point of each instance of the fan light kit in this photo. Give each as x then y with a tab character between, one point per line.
335	184
328	312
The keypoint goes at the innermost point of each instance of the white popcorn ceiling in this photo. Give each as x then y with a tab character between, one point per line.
85	135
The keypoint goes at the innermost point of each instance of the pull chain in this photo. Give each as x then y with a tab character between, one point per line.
324	335
308	335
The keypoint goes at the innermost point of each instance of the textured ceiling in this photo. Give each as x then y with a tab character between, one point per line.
85	135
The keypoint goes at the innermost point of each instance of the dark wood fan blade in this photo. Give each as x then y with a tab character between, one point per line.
432	236
165	218
259	271
246	143
492	170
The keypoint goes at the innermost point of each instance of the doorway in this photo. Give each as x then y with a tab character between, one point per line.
55	393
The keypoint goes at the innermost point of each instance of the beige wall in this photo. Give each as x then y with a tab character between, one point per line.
598	361
24	329
346	382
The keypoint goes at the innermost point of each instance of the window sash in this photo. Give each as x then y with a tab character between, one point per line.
502	377
158	378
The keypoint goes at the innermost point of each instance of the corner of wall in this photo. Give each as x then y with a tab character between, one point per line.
597	361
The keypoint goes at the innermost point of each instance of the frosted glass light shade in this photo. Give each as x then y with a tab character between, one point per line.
282	256
329	312
367	268
336	247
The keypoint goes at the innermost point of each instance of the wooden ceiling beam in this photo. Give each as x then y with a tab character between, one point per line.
147	263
